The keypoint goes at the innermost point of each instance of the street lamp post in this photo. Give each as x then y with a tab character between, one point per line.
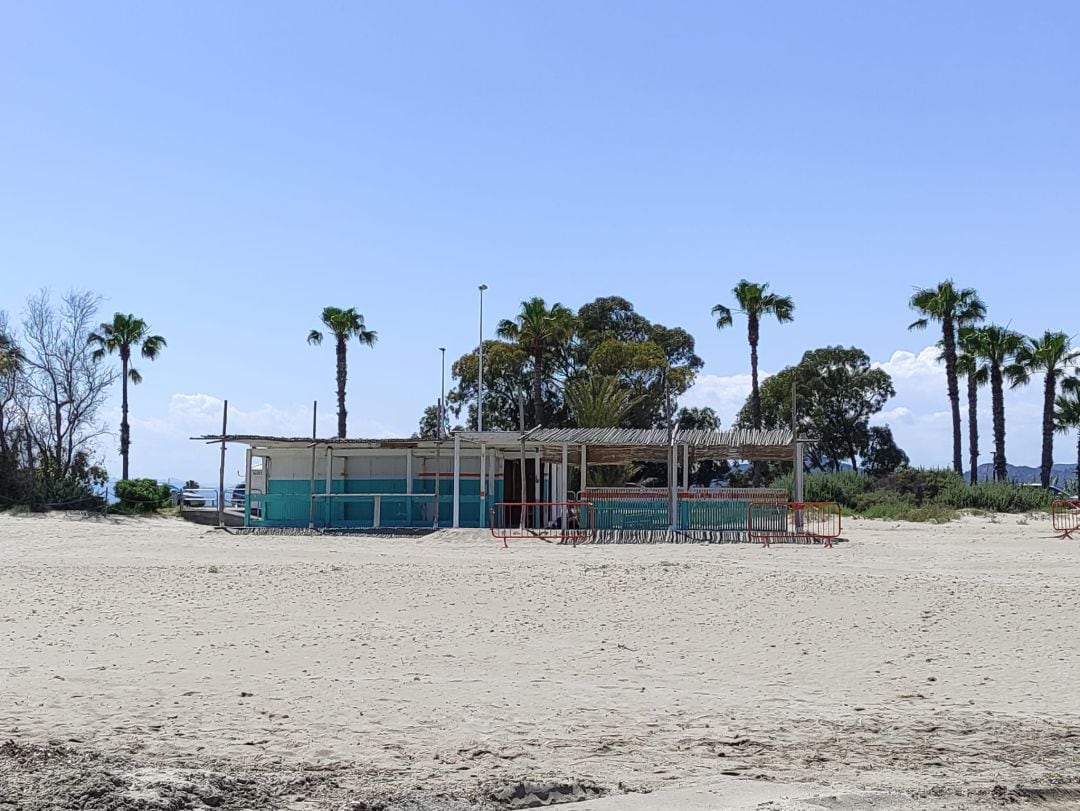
442	396
480	375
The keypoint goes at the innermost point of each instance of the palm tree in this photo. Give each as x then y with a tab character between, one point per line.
997	347
755	302
953	307
1052	355
599	402
1067	414
120	336
967	364
344	324
538	330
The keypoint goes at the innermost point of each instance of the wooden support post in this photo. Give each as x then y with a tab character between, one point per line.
686	467
457	480
221	469
483	485
329	485
562	485
584	471
247	487
311	481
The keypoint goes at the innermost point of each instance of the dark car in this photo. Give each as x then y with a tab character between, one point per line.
238	493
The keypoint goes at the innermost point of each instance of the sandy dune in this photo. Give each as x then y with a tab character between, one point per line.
172	666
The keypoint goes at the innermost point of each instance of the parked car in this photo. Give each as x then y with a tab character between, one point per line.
238	493
1057	491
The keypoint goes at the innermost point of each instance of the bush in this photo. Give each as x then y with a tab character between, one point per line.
43	494
913	494
142	495
919	485
844	487
999	497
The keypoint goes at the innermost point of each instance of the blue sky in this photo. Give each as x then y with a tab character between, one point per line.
226	170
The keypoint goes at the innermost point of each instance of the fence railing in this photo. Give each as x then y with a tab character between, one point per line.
1065	516
649	508
795	521
346	510
562	521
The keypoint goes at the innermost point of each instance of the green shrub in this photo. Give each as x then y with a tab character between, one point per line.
844	487
903	510
913	494
919	485
999	497
142	495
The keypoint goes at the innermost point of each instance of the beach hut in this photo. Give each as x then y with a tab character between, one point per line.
473	479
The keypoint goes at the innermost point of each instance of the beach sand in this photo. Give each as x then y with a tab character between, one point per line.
149	663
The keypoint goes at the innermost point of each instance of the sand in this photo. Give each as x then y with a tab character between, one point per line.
156	664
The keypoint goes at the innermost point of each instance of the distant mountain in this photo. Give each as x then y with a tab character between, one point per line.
1060	475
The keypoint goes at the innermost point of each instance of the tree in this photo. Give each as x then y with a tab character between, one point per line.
120	336
755	302
343	324
882	455
539	331
968	364
598	402
697	419
996	347
1052	355
953	308
11	358
838	391
62	388
1067	415
607	338
506	382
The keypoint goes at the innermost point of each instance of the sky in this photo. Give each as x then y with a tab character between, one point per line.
226	170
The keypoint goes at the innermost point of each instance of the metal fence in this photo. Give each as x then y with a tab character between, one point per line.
1065	515
562	521
649	508
808	522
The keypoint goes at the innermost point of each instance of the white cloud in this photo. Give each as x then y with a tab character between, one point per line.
162	446
904	365
725	394
919	413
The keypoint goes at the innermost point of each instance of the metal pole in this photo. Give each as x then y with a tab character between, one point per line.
480	374
311	484
221	470
524	487
442	396
564	476
457	480
673	480
797	467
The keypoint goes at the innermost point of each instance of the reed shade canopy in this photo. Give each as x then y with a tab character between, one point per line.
604	446
620	446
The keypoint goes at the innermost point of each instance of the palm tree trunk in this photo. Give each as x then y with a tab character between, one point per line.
538	387
125	435
973	427
948	335
1049	390
753	333
998	395
342	375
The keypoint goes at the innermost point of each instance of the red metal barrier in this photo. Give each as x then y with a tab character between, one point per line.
794	521
1065	515
543	520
